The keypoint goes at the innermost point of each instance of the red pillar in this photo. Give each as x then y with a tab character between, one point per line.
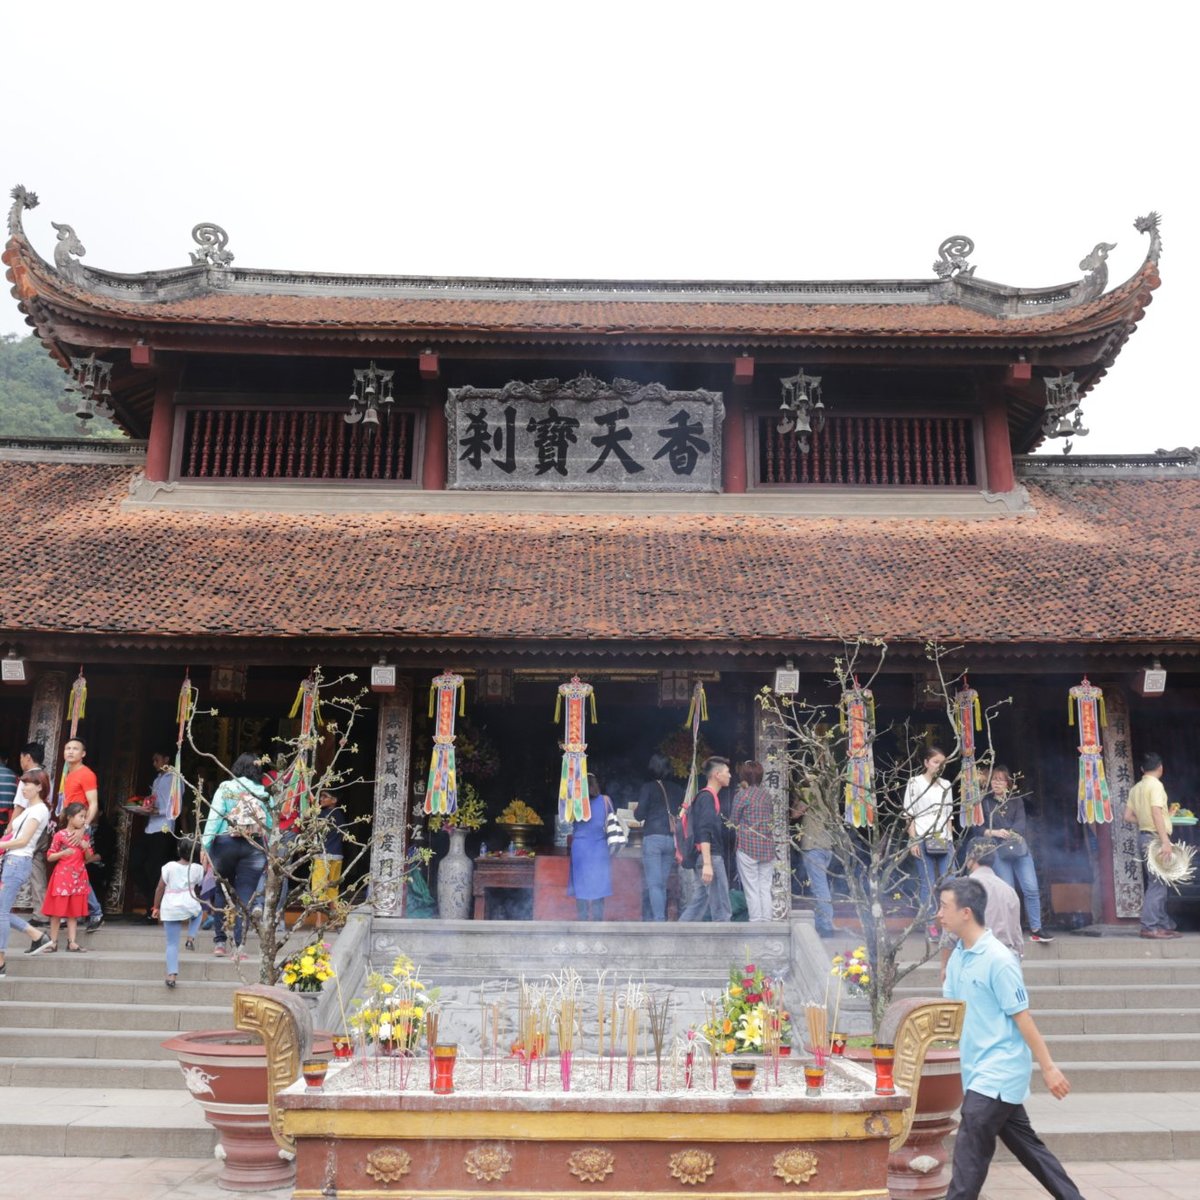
997	447
433	475
162	422
733	462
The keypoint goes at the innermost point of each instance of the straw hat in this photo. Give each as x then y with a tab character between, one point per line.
1177	870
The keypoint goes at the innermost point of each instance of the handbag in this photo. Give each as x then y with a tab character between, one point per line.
614	831
1013	846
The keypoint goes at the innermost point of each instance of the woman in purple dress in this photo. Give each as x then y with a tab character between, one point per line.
590	881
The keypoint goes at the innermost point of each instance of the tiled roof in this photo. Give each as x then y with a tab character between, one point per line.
1115	560
562	314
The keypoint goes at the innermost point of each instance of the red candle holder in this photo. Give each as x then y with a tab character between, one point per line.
314	1073
839	1044
814	1080
444	1056
343	1047
785	1049
885	1060
743	1075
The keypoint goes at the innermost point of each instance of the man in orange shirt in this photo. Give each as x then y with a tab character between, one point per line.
79	786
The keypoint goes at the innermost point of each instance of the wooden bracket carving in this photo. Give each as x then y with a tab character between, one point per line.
912	1026
283	1022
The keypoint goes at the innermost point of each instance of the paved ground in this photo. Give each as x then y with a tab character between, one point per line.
194	1179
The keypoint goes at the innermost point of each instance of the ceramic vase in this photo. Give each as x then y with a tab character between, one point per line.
454	880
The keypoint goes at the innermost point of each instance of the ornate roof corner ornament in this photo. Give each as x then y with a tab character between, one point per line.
1095	268
212	240
68	244
22	201
1064	417
1149	224
952	257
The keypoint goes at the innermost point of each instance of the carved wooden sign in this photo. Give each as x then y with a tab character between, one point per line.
584	435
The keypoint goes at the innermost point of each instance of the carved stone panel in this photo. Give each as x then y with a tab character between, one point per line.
584	435
770	749
389	845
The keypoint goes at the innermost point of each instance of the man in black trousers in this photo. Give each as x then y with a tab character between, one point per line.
999	1043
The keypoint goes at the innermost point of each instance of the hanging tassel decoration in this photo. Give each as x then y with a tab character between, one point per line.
446	698
574	803
295	784
1095	806
184	707
858	723
697	712
969	719
76	711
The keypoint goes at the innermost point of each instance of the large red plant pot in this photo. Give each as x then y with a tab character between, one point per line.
227	1074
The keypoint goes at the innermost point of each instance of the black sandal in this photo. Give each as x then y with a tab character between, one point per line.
170	981
190	943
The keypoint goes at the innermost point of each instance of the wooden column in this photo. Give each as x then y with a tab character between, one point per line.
46	715
997	447
733	453
433	475
126	749
1120	856
389	824
770	746
162	421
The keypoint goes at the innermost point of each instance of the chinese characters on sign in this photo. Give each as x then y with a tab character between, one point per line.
585	435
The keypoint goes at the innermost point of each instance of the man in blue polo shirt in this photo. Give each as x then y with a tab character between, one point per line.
999	1043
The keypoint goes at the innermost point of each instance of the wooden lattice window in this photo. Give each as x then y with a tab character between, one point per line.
294	444
871	451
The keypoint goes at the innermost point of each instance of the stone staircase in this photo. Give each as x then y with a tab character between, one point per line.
82	1069
1121	1016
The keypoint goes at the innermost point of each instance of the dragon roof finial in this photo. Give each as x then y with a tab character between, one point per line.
1149	224
22	199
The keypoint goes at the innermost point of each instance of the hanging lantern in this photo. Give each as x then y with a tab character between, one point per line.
968	720
574	803
1095	807
447	697
858	724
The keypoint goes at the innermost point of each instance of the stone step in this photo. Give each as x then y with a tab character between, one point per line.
1154	1075
49	991
84	1043
104	1123
1078	997
128	964
98	1073
1100	973
1137	1126
1054	1022
162	1018
1160	1047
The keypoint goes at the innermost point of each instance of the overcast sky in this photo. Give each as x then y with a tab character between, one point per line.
650	140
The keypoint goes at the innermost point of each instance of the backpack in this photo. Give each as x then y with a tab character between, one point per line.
686	854
246	815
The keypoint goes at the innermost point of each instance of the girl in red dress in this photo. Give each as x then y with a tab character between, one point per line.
67	891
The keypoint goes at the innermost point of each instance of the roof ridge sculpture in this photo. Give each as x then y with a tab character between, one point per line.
211	273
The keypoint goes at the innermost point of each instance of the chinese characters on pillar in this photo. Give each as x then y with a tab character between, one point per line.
585	435
392	753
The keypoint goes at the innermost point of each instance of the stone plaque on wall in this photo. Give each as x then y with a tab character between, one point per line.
584	435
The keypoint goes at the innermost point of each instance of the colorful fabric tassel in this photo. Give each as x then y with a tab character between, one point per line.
295	783
968	719
447	697
858	723
1095	807
184	707
696	713
574	803
76	711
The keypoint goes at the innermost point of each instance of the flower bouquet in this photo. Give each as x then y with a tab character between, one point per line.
393	1012
308	970
741	1025
470	813
853	970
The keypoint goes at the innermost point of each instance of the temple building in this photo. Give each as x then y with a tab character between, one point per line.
647	484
